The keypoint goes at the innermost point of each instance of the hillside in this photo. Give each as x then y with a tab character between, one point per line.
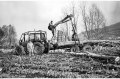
112	32
114	29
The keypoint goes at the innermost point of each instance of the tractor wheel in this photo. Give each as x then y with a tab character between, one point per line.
87	48
75	49
38	48
19	50
47	48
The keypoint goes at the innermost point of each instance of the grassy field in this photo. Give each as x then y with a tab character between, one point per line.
54	65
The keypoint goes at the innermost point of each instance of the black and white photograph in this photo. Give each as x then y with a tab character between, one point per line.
59	39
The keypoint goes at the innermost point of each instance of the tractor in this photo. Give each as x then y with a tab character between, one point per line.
39	40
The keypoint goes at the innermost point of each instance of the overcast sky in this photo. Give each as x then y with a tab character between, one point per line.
30	15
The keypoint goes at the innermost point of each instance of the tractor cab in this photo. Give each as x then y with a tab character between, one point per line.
34	36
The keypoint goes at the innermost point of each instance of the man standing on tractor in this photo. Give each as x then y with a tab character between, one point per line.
52	27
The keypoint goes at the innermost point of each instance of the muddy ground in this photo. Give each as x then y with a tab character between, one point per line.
55	65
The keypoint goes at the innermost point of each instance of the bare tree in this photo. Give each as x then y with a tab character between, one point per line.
66	28
9	37
12	35
94	22
97	21
86	20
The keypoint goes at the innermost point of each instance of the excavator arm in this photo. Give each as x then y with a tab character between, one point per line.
52	27
66	19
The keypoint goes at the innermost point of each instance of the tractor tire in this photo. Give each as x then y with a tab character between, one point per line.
47	48
75	48
87	48
19	50
38	48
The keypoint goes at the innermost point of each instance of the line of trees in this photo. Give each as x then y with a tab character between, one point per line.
93	20
7	36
